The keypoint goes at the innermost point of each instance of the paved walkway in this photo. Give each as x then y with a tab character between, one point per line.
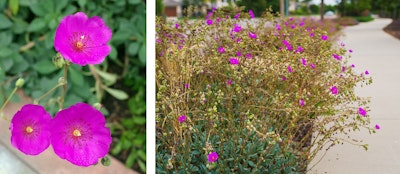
379	53
13	161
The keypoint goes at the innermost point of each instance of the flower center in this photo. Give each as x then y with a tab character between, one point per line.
77	133
28	129
79	42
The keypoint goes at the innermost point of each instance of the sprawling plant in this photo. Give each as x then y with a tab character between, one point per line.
238	94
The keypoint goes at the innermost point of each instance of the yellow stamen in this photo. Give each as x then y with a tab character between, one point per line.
29	129
79	45
77	133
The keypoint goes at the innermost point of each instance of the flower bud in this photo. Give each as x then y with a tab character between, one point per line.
98	106
19	83
105	161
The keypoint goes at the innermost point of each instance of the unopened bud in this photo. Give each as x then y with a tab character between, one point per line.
19	83
98	106
105	161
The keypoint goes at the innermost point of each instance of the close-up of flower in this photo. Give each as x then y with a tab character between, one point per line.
182	118
377	127
301	102
289	69
237	28
312	66
79	135
30	129
233	61
334	90
304	61
209	21
212	157
221	50
82	40
362	112
324	37
252	35
251	14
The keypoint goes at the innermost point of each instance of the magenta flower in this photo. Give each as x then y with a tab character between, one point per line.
234	61
350	51
176	25
251	14
337	57
186	85
79	135
209	22
182	118
353	66
283	78
293	26
362	112
278	27
301	102
237	16
324	37
377	127
287	44
304	61
299	49
221	50
30	129
238	53
343	68
212	157
252	35
312	66
289	69
229	82
237	28
366	72
334	90
311	34
249	56
82	40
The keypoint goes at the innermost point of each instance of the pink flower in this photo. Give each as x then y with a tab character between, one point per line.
82	40
212	157
350	51
209	22
238	53
299	49
278	27
304	61
312	66
252	35
337	57
237	16
234	61
301	102
30	129
176	25
237	28
324	37
366	72
377	127
311	34
343	68
249	56
251	14
293	26
186	85
221	50
229	82
289	69
334	90
79	135
283	78
182	118
362	112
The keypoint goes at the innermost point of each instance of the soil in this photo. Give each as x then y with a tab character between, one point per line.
393	28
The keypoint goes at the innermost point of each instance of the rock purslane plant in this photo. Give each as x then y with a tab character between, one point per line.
263	94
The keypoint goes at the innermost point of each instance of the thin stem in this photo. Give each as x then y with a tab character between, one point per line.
5	103
64	87
48	92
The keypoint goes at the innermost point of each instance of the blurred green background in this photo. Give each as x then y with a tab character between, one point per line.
27	30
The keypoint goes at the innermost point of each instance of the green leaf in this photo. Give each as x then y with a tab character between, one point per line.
75	76
113	54
82	3
5	38
142	54
133	48
13	4
19	26
134	2
2	74
131	158
6	64
44	67
5	52
38	9
60	5
118	94
110	78
36	25
139	120
5	23
142	166
142	154
20	64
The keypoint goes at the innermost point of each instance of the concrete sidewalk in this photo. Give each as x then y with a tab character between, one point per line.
13	161
379	53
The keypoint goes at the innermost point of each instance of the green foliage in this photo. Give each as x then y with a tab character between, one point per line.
250	113
364	18
26	50
259	6
386	8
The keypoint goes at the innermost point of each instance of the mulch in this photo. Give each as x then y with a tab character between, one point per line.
393	28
